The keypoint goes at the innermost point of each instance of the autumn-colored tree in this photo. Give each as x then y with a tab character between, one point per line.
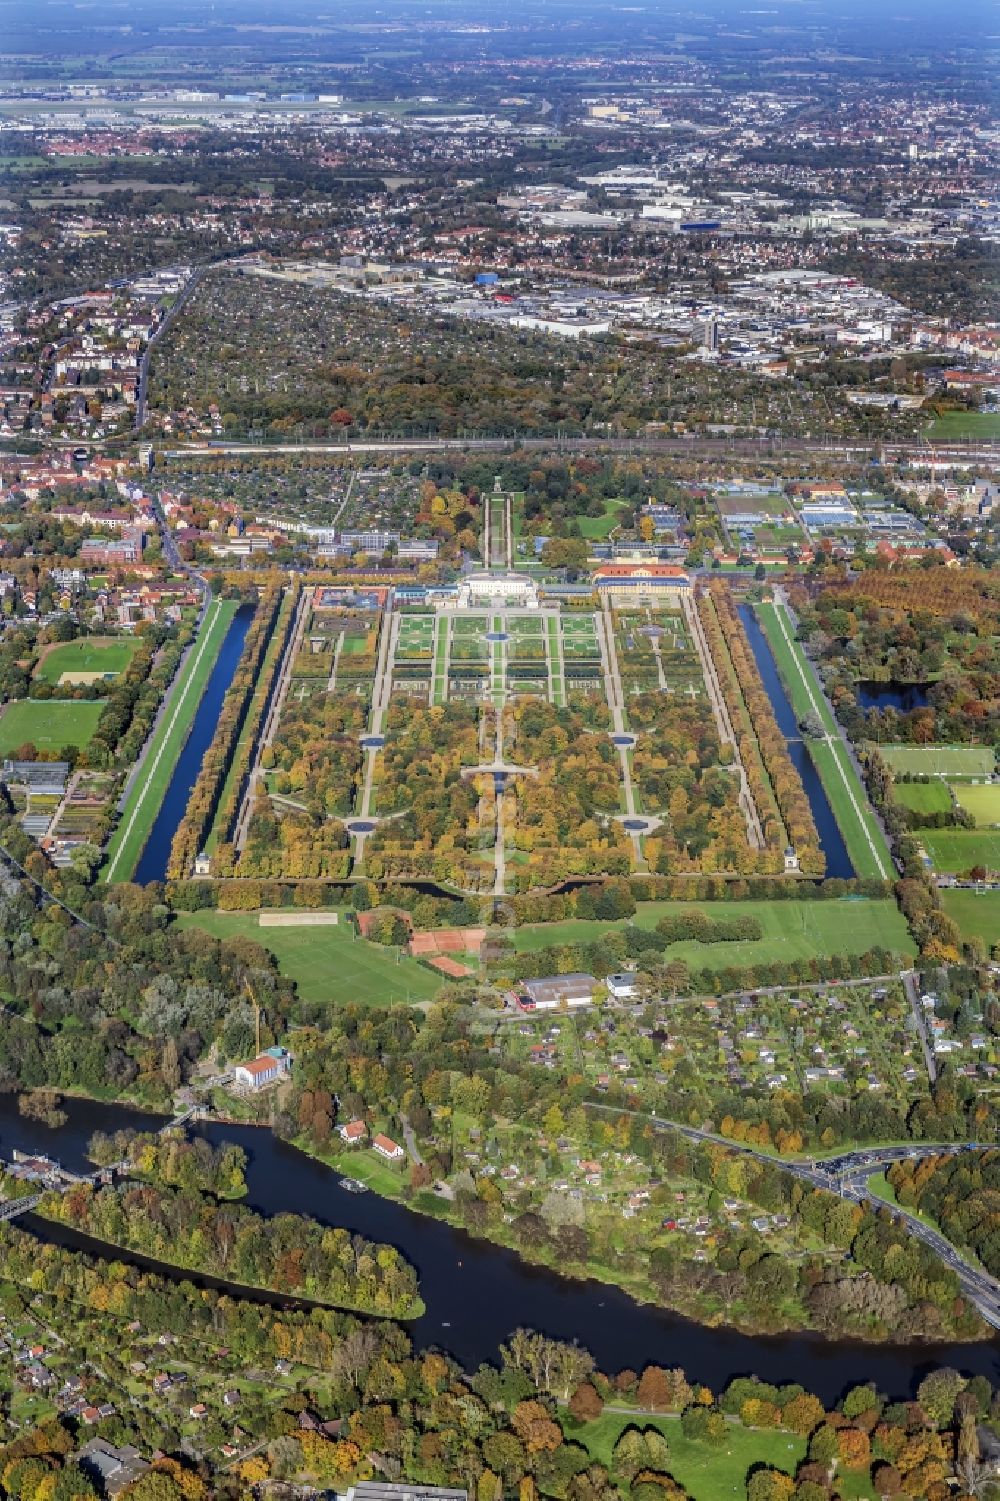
803	1413
533	1425
770	1485
585	1404
854	1448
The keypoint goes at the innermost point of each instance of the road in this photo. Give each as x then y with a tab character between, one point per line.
380	702
724	725
912	989
177	563
848	1176
142	387
273	715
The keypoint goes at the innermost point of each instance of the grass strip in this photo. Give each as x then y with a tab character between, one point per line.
864	839
142	806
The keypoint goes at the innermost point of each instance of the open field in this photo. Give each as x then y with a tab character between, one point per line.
49	724
791	930
126	844
976	912
597	528
922	797
965	425
864	839
106	656
982	802
327	964
707	1472
959	850
939	760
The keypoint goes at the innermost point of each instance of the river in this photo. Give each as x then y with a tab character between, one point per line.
152	864
476	1294
838	861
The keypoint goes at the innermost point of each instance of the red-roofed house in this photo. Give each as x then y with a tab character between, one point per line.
387	1148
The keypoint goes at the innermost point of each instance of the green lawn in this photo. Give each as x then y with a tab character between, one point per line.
791	930
328	964
958	850
982	802
126	843
708	1472
864	839
599	528
922	797
49	724
965	425
87	656
939	760
976	912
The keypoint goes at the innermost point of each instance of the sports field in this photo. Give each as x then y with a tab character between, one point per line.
939	760
982	802
106	657
791	930
965	425
327	964
922	797
976	912
126	843
864	839
959	850
49	724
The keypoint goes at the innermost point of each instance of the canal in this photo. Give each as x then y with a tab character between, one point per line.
476	1294
152	864
831	840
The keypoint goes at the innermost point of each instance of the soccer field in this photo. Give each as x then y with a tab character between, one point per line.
959	850
923	797
982	802
328	964
976	912
938	760
49	724
93	655
958	425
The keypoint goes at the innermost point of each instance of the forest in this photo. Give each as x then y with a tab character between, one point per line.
529	1423
287	1253
961	1194
868	629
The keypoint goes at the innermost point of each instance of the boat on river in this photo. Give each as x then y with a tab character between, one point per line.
354	1185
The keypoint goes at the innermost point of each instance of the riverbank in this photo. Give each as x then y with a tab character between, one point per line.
149	789
476	1293
710	1311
